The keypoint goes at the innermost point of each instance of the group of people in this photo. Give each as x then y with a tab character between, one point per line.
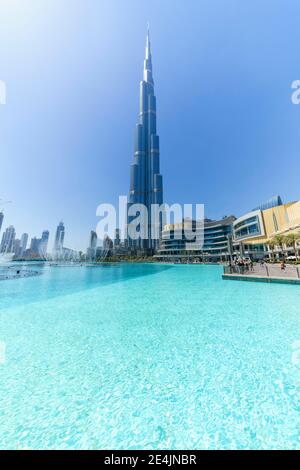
247	264
243	264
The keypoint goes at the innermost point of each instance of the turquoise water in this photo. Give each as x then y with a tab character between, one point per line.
148	356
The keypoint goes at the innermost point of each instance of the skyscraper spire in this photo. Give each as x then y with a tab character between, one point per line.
146	181
148	45
148	60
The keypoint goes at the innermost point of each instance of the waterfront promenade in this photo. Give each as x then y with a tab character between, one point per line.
263	273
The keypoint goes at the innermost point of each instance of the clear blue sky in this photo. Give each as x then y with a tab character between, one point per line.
223	71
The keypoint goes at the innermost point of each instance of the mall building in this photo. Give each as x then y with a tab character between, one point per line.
212	245
252	231
231	238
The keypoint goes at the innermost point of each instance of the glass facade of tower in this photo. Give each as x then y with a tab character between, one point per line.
146	186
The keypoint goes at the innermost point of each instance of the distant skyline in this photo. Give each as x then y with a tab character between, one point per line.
229	133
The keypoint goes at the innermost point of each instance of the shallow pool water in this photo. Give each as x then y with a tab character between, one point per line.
134	356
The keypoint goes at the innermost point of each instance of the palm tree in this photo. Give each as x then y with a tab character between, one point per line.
271	245
280	240
291	240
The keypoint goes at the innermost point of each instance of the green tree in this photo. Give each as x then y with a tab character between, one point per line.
272	246
292	239
280	240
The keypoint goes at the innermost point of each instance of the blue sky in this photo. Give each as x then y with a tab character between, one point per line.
223	72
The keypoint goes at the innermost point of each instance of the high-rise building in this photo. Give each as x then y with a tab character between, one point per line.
91	251
59	237
23	244
44	243
35	245
8	239
117	240
16	246
107	246
146	186
38	246
1	219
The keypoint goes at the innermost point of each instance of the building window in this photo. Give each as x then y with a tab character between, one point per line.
246	222
246	231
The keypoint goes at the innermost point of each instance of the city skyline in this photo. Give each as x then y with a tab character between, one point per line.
225	114
11	244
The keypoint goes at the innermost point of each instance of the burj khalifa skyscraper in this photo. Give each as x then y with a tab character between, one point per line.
146	186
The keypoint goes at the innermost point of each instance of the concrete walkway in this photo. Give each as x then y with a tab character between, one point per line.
264	273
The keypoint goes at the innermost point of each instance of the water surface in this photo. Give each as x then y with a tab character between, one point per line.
148	356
